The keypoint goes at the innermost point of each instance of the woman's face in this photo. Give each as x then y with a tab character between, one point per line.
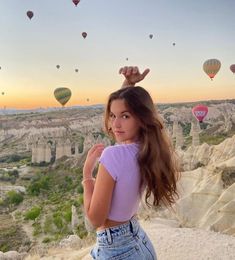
125	126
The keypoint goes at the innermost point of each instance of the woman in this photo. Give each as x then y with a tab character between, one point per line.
141	161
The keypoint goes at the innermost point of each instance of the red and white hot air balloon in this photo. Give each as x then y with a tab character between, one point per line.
200	112
232	68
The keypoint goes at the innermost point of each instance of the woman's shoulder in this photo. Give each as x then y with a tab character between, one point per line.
121	148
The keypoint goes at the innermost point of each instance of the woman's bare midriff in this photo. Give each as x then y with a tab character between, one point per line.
110	223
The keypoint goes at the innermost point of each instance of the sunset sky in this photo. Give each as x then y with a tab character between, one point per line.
116	30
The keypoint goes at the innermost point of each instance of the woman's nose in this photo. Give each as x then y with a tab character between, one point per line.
117	122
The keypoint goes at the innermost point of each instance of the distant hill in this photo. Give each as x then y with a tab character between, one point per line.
161	106
11	111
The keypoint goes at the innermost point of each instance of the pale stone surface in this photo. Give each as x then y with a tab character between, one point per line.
12	255
171	243
209	155
72	241
74	219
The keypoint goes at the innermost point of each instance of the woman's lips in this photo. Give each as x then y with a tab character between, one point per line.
118	132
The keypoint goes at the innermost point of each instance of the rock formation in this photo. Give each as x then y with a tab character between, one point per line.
178	135
207	188
41	151
74	219
194	132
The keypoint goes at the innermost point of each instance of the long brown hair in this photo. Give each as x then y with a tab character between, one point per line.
156	158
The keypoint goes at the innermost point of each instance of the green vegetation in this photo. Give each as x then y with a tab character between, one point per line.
46	240
40	183
10	176
186	128
11	235
55	192
212	139
228	176
187	141
13	198
80	144
81	231
16	159
33	213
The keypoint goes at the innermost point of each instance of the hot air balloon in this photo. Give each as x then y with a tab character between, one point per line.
84	35
200	112
57	66
30	14
76	70
87	99
150	36
3	93
232	68
173	43
126	58
211	67
62	95
76	2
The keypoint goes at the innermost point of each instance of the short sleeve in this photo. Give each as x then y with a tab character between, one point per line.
109	160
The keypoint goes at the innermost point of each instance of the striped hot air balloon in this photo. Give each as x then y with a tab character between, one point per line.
62	95
211	67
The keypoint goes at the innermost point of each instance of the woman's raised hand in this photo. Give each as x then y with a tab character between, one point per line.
132	75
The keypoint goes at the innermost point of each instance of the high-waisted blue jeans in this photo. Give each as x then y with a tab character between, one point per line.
126	241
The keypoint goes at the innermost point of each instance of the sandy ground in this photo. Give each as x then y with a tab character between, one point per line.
171	243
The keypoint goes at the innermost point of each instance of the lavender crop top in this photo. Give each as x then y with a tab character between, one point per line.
121	163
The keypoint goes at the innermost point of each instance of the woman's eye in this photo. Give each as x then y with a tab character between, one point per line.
125	116
112	116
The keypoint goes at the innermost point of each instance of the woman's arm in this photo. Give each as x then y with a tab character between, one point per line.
132	75
101	198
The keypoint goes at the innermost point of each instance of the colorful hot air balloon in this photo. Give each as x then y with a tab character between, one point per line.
76	2
150	36
30	14
200	112
57	66
232	68
84	35
211	67
76	70
62	95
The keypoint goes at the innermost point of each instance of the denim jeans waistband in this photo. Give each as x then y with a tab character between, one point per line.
108	234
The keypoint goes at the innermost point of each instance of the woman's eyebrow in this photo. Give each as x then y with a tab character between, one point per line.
125	111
